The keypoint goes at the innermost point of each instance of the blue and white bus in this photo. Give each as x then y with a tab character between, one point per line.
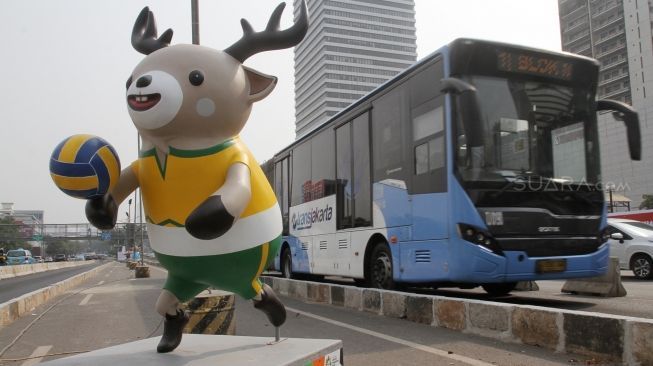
477	166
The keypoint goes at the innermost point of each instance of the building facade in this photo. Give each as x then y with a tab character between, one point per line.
618	34
352	47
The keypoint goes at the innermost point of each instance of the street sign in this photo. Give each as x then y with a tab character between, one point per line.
105	235
37	237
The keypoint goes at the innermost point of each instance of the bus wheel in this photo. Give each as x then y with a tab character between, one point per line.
499	289
380	268
641	266
286	264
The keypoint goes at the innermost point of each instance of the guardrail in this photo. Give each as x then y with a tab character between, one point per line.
617	339
26	269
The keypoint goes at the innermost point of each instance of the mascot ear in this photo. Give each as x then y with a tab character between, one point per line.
260	85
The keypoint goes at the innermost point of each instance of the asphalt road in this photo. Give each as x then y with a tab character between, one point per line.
116	308
11	288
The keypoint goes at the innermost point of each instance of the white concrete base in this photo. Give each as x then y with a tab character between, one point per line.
608	285
200	350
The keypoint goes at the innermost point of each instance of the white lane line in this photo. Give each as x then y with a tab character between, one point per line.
86	299
99	283
159	269
39	352
435	351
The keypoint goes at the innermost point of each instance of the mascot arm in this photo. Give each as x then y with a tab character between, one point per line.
102	212
217	214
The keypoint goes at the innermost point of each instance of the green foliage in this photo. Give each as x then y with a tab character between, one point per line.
647	202
67	247
10	234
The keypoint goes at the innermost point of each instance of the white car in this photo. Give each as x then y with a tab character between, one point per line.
632	242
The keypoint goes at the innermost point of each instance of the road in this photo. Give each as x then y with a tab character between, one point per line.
119	309
14	287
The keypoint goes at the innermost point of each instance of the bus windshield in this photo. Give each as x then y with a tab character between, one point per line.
532	131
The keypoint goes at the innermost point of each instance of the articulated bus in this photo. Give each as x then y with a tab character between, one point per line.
477	166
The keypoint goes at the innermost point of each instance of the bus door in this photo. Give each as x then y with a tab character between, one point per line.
429	176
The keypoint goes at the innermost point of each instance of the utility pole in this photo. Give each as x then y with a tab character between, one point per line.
194	10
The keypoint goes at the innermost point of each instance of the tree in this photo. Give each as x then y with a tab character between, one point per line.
10	235
647	202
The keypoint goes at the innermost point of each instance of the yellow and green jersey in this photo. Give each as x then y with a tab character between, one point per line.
173	188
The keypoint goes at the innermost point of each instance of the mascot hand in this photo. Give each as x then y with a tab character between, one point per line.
209	220
102	212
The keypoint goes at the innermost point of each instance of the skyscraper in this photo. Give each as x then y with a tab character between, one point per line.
352	46
618	34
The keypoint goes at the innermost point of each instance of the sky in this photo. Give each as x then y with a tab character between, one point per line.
64	65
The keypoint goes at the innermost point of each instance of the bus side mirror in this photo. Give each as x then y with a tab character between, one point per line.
468	108
629	116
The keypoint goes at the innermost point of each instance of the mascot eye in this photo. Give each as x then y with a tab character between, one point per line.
196	77
129	82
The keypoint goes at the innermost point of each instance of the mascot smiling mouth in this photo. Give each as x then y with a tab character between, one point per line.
143	102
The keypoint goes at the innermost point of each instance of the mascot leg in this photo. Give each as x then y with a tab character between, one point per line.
265	299
175	320
270	305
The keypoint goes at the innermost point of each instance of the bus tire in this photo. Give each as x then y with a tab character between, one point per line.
380	268
642	266
499	289
286	264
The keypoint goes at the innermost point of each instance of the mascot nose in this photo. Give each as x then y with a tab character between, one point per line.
143	81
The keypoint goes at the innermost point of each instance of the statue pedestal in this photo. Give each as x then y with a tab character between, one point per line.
200	350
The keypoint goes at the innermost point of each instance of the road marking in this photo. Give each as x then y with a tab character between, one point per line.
99	283
86	299
39	352
435	351
159	269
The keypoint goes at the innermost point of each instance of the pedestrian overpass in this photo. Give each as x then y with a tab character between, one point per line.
52	232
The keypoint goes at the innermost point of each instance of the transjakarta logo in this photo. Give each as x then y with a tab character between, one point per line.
305	220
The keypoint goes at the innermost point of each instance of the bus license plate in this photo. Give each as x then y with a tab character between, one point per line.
551	265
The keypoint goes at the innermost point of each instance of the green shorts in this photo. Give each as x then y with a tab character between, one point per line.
236	272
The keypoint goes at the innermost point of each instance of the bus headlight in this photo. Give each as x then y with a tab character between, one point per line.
479	237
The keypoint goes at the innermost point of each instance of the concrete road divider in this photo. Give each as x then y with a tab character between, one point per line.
211	312
611	338
26	269
14	309
608	285
142	271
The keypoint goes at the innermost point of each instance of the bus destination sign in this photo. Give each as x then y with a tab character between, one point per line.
534	65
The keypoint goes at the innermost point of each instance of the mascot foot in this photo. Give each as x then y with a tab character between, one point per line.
271	306
172	331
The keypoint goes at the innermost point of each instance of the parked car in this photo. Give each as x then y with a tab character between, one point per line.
19	256
38	259
632	242
60	258
48	259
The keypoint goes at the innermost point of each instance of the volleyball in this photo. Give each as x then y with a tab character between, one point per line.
84	166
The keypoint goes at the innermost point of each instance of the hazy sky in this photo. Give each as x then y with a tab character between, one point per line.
64	64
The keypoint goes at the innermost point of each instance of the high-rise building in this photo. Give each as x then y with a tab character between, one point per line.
618	34
352	46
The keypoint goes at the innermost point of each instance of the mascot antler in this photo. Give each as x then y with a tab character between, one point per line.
271	38
144	35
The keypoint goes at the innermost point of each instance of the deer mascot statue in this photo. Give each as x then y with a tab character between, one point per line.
212	217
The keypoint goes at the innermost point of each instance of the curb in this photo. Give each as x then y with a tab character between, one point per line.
613	338
14	309
27	269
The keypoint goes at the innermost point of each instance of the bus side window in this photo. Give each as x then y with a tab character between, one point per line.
281	189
